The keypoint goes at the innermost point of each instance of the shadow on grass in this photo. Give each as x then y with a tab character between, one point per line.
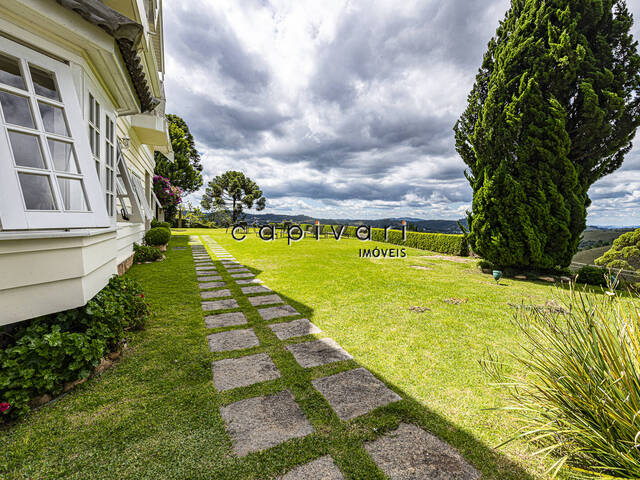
344	441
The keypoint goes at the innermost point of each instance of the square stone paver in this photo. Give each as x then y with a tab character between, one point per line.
231	319
323	468
248	281
243	371
215	293
410	453
210	278
262	422
318	352
232	340
265	300
206	285
354	392
255	289
296	328
242	275
277	312
219	305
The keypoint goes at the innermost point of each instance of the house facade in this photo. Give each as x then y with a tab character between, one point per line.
81	116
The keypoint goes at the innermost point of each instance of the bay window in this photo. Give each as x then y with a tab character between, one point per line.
46	174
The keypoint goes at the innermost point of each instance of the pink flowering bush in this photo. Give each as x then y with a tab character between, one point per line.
168	195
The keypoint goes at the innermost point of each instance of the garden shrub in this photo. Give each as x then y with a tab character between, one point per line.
155	223
157	236
145	253
624	254
592	276
48	351
575	385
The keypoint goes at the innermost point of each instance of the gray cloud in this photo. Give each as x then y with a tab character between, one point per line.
344	106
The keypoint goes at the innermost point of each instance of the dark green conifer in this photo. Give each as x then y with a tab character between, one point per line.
555	107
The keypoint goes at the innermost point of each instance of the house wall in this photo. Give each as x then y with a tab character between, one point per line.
44	272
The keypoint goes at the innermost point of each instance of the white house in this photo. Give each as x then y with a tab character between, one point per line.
81	115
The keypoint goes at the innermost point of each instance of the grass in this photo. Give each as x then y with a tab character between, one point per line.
156	413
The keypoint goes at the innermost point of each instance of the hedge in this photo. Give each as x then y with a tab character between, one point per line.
435	242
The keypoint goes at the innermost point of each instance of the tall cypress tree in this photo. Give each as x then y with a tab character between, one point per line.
555	107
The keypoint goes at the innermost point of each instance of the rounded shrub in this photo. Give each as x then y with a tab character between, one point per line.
157	236
155	223
592	276
144	253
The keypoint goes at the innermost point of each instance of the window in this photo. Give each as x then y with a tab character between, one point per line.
110	159
94	131
130	209
138	189
46	178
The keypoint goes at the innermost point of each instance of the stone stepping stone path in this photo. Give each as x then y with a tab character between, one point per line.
261	422
231	319
320	352
256	289
232	340
265	300
241	372
354	393
411	453
277	312
220	305
215	293
206	285
323	468
242	275
248	281
210	278
296	328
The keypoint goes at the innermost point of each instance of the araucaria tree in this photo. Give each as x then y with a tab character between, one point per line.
555	107
233	191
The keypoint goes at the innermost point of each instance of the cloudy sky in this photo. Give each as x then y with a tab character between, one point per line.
344	108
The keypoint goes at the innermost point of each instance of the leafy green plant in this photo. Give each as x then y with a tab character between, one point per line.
624	254
155	223
576	384
63	347
157	236
145	253
592	275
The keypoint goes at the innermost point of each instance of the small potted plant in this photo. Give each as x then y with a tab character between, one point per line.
158	237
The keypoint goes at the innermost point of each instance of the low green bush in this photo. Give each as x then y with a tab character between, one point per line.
48	351
157	236
155	223
592	276
575	385
145	253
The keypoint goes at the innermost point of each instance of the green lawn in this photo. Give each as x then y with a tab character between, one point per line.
156	413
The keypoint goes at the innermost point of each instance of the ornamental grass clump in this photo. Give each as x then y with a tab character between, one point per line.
576	384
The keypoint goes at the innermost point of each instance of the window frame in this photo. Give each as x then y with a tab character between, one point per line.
141	197
124	176
110	165
13	212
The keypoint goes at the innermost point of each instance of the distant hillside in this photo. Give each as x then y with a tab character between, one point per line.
595	237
